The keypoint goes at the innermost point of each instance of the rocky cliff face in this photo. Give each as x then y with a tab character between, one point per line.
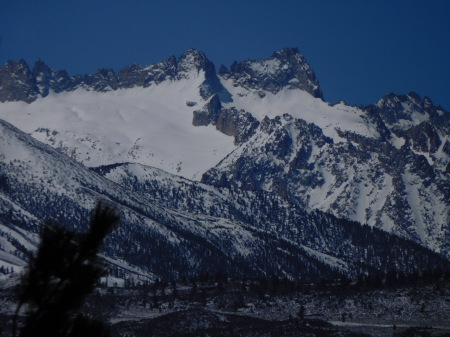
239	124
48	79
17	82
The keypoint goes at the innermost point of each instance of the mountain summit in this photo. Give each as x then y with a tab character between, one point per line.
285	68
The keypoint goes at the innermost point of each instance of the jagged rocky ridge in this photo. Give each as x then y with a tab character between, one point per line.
386	165
19	83
286	68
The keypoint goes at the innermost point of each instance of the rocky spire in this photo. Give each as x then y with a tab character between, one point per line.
17	82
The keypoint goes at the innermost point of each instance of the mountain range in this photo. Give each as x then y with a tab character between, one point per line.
249	166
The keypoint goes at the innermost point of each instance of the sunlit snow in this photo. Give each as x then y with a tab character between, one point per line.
152	126
302	105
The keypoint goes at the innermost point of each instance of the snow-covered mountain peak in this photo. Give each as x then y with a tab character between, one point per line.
193	60
286	68
195	63
402	112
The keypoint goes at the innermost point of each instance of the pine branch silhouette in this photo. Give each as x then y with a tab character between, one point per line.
65	268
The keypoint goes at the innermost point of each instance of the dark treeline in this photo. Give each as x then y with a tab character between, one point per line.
205	284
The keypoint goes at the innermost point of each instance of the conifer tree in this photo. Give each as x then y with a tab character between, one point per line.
65	268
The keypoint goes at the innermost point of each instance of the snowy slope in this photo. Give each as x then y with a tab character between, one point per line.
152	126
171	226
300	104
38	183
355	177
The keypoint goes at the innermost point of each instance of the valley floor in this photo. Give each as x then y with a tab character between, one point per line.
264	308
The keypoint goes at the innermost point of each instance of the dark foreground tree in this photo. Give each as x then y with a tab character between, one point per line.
65	268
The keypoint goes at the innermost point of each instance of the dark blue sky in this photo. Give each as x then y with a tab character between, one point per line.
360	50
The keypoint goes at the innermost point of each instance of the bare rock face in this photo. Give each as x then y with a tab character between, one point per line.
232	122
143	76
424	138
17	82
49	79
103	80
209	114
